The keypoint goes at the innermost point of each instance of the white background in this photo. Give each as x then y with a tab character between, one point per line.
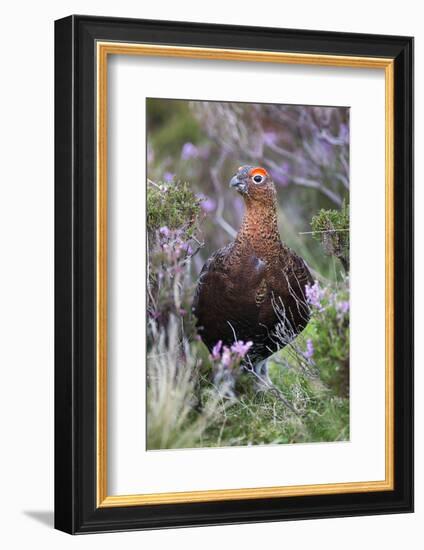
131	79
26	286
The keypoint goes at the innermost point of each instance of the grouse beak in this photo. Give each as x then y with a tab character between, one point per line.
239	185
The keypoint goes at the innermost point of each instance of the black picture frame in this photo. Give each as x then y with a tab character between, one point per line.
76	510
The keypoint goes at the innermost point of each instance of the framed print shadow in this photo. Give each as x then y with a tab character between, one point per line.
233	274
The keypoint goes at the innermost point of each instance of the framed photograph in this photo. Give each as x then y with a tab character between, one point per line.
234	274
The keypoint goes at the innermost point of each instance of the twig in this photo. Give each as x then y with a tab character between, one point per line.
343	179
272	388
323	231
283	152
154	184
226	226
316	185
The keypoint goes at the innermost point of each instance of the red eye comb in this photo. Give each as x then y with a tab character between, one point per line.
258	171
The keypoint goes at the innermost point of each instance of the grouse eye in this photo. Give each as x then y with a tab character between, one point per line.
258	179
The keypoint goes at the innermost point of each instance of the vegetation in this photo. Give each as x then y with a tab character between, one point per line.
331	228
172	206
196	398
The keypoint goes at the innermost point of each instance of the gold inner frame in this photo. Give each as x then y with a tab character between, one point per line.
104	49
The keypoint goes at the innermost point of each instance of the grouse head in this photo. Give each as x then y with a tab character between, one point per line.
254	184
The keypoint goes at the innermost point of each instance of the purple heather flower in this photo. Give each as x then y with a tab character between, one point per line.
216	350
226	359
343	307
187	248
309	353
165	231
189	151
241	348
208	205
168	177
314	294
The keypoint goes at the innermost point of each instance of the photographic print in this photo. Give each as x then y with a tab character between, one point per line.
233	274
247	274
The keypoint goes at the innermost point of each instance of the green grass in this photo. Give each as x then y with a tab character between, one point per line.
259	417
185	410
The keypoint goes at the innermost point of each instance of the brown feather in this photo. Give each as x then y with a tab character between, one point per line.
254	287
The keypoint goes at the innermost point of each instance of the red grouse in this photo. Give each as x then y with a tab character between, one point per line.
253	289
